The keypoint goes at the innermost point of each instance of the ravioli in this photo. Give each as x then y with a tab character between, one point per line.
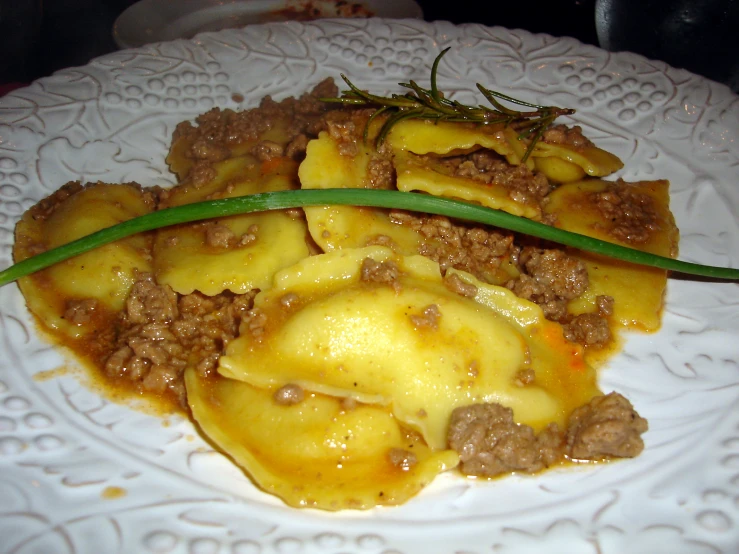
446	139
430	176
335	227
180	162
559	162
318	453
105	274
564	163
350	338
638	291
250	247
382	344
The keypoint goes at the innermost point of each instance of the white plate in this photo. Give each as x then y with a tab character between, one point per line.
62	446
150	21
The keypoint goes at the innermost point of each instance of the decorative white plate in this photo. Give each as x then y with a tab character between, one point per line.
64	449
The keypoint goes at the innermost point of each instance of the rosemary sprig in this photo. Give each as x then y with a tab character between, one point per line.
353	197
421	103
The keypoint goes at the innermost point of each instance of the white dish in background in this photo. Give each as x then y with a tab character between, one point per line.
79	474
150	21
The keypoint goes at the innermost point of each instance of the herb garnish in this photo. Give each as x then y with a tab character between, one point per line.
430	104
353	197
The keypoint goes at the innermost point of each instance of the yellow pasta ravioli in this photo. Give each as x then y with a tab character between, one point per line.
237	253
344	336
344	379
334	227
104	276
638	291
319	453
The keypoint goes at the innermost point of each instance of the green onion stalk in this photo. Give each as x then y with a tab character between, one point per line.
267	201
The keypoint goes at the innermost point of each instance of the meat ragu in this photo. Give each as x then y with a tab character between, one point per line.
226	318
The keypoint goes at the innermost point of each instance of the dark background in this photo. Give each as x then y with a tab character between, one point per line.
38	37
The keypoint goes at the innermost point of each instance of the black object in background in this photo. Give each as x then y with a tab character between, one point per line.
71	32
38	37
701	36
20	30
560	18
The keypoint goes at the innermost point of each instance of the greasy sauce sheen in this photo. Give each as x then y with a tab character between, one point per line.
344	356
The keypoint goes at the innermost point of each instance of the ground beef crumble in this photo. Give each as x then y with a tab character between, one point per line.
381	240
255	321
570	136
373	271
549	278
81	311
476	250
217	131
381	173
346	127
454	283
160	333
606	426
218	236
489	442
631	216
289	395
604	304
485	166
266	150
525	377
402	459
588	329
428	318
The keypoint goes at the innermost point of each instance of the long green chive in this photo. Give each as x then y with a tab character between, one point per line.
354	197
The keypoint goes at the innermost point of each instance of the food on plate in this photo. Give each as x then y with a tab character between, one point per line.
380	328
65	295
343	356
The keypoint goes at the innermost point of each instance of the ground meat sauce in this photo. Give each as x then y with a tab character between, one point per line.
589	329
569	136
218	236
486	166
631	216
401	458
218	132
289	395
454	283
160	333
81	312
381	173
550	278
267	150
428	318
346	127
606	426
472	249
525	377
379	272
490	442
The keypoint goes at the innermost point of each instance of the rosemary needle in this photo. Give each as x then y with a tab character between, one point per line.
354	197
430	104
